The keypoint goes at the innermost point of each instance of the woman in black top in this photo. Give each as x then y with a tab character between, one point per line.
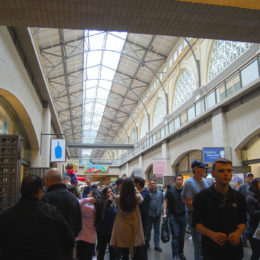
253	207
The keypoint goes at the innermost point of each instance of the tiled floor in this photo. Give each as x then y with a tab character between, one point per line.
188	251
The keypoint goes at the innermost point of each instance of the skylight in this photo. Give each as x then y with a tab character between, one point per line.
102	51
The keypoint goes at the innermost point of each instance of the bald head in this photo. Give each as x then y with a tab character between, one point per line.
52	176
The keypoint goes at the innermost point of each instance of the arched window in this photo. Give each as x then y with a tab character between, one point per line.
159	112
184	88
223	54
144	126
134	135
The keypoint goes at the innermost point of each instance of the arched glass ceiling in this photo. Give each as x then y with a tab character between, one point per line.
96	78
101	57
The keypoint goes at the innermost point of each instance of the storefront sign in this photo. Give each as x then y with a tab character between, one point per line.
159	168
58	151
210	154
96	169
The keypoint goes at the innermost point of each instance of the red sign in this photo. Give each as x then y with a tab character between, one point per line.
159	168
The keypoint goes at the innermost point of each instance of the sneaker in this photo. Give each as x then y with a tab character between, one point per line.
157	248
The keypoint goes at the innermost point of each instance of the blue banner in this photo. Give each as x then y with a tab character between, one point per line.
210	154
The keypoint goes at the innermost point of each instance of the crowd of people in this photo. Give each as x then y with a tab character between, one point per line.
55	220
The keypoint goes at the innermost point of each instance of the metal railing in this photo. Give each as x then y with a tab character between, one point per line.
227	88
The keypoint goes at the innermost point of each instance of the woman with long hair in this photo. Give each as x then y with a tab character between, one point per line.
127	234
104	230
253	207
92	215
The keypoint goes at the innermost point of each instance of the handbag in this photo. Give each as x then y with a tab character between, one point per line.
165	234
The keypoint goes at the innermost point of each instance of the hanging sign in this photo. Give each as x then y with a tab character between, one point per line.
58	147
159	168
210	154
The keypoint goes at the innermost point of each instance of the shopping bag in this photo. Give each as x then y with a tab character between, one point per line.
165	234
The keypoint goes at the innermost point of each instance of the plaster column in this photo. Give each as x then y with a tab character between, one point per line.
141	165
46	129
219	129
166	157
220	136
35	158
127	169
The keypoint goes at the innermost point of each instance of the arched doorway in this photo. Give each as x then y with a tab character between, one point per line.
183	163
149	172
251	155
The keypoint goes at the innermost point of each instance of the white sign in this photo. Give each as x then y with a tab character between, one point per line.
137	172
58	151
159	168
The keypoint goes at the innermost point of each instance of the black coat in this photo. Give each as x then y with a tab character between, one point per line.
33	229
253	208
59	196
219	213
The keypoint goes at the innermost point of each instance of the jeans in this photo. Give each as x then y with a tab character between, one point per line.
178	227
140	253
196	239
85	250
103	241
155	222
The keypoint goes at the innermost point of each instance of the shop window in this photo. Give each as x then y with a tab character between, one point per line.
221	93
233	84
199	107
210	100
191	113
250	73
183	118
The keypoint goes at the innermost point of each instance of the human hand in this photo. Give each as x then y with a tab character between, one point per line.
91	200
164	216
234	238
219	238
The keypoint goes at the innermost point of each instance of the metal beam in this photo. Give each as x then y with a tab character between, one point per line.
103	146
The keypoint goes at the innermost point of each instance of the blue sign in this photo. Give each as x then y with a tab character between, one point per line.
58	150
210	154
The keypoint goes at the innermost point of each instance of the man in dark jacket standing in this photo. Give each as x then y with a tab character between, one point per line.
177	217
219	214
58	195
33	229
155	211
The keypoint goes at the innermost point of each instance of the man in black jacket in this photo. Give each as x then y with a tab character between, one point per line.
58	195
33	229
177	217
219	214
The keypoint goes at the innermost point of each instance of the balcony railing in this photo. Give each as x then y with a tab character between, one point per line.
221	92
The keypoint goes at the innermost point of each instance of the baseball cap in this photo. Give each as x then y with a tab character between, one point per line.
249	173
198	164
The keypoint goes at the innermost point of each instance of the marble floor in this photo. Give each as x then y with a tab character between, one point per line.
188	251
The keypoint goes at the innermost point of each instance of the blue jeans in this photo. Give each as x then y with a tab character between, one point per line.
196	239
155	223
178	227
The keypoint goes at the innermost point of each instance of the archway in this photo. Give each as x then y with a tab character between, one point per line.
23	116
149	172
182	164
249	148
